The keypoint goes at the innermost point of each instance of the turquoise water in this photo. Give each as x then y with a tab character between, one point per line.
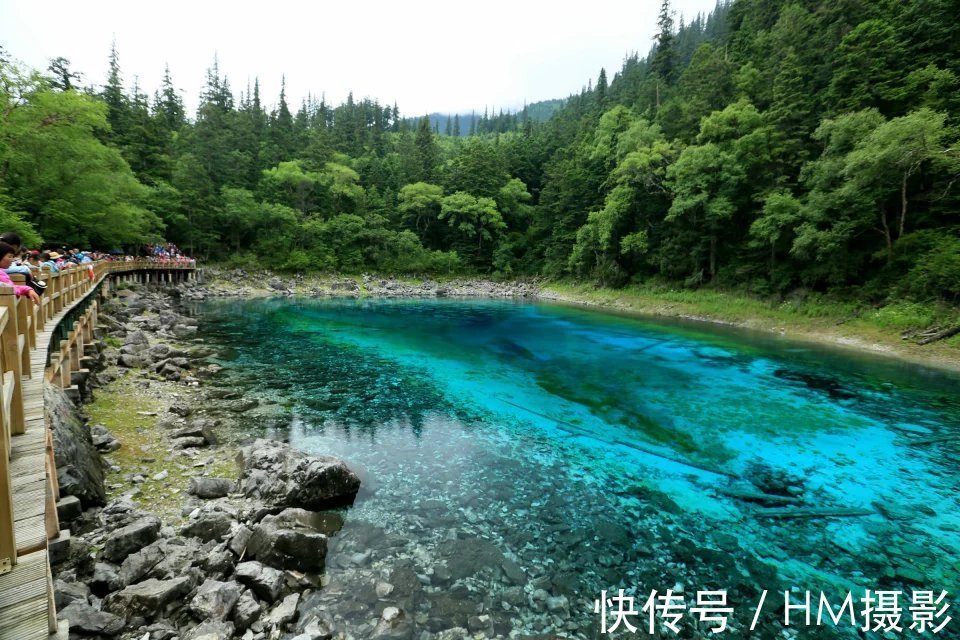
517	459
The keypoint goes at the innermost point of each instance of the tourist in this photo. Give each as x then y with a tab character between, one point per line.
50	259
7	252
14	241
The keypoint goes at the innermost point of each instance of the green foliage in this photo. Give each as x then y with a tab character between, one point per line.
767	145
58	176
936	273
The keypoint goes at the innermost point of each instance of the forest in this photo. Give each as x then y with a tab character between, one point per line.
769	146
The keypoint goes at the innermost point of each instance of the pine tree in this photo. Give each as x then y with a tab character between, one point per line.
456	125
168	106
602	89
118	105
663	63
62	76
427	153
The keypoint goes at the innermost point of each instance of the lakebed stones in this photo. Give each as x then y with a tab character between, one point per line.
279	475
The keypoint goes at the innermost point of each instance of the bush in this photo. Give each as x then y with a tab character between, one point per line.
936	273
905	315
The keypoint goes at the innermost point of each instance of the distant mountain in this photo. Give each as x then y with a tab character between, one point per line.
499	121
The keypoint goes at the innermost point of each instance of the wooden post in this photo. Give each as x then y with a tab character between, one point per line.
8	543
75	350
54	286
11	358
25	320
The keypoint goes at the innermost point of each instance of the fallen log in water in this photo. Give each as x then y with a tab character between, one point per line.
927	441
573	429
813	512
750	495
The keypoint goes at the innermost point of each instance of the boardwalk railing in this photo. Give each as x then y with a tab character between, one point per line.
41	343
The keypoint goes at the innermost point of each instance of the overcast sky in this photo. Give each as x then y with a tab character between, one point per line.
426	56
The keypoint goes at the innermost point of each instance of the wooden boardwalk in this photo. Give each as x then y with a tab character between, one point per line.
27	610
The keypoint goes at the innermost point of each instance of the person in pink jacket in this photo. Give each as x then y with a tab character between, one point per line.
7	254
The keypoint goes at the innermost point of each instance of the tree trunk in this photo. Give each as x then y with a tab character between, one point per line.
713	257
773	259
903	205
886	234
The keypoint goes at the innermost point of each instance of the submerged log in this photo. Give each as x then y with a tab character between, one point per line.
928	441
751	495
813	512
581	432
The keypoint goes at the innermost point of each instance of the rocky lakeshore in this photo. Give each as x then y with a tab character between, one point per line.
229	557
241	283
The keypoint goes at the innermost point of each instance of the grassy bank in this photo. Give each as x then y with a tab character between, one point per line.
851	324
130	411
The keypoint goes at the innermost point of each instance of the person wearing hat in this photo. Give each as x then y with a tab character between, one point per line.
49	259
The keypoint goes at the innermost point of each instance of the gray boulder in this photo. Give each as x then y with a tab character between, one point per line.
131	538
136	337
209	525
280	475
264	581
86	619
137	565
215	600
211	630
291	539
66	593
210	488
147	598
80	469
247	611
284	612
105	579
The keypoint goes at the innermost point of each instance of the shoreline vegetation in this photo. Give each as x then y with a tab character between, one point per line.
855	326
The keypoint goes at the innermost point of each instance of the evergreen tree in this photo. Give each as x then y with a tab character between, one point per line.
118	105
663	63
62	77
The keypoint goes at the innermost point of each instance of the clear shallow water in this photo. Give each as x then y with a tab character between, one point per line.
519	458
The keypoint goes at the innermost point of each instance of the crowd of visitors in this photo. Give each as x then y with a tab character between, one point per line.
14	258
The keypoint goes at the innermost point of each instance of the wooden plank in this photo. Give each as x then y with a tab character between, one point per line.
30	571
27	465
37	477
26	621
28	504
31	535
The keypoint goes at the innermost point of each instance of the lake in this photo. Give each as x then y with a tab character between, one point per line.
519	459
